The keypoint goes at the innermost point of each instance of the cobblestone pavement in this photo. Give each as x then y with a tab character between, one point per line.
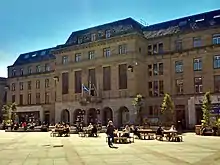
41	149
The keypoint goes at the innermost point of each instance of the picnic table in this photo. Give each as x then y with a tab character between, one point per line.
149	133
171	135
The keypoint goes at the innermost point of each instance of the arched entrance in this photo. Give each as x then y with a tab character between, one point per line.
65	116
123	116
107	115
92	116
78	116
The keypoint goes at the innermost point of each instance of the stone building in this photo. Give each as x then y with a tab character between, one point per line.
116	61
2	95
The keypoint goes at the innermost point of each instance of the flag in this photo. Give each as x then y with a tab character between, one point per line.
85	89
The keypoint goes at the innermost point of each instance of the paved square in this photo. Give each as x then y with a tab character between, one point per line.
39	148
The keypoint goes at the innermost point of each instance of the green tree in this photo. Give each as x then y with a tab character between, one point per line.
9	112
138	103
167	110
206	109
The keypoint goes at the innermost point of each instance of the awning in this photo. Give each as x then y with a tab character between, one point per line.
29	109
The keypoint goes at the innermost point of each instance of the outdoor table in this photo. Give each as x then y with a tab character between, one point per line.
146	132
170	134
60	131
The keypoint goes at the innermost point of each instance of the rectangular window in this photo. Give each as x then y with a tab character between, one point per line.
151	111
122	49
47	83
21	85
65	83
38	84
38	98
21	72
13	98
179	86
13	87
197	64
160	48
160	68
198	84
155	49
21	99
92	78
216	62
29	99
197	42
217	83
106	52
155	69
13	72
150	88
64	60
29	70
155	88
150	70
29	85
47	98
107	33
107	78
178	45
216	39
122	73
93	37
161	88
47	67
78	81
91	55
38	69
77	57
179	66
149	48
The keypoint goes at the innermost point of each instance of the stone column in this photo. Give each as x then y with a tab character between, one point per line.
191	112
41	115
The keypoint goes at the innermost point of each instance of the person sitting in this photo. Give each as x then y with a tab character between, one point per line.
136	132
126	132
159	132
66	130
94	131
90	126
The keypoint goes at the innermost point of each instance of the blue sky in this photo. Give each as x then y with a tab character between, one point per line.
29	25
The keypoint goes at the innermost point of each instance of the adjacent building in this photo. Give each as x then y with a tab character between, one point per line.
3	95
95	75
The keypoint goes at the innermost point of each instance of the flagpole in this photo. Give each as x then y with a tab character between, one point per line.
82	90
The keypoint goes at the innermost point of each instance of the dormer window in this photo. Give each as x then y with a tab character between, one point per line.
108	33
34	55
93	37
38	69
43	53
26	56
13	72
21	71
79	40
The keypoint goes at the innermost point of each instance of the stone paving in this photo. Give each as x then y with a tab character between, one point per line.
40	149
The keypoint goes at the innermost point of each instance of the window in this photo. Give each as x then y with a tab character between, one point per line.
155	88
155	49
106	52
155	69
198	84
29	98
77	57
64	59
13	72
107	78
197	64
150	88
92	78
161	88
160	68
179	86
21	85
217	83
91	54
108	33
29	70
179	67
216	39
47	83
29	85
80	40
13	98
149	49
160	48
122	73
78	81
65	83
153	111
21	72
38	84
47	67
122	49
93	37
38	69
216	62
150	70
197	42
13	87
37	98
178	45
47	98
21	99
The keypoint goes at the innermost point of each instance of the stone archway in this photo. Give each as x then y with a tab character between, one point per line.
78	116
107	115
92	116
123	116
65	116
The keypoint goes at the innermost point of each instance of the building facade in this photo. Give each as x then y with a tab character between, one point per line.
3	95
117	61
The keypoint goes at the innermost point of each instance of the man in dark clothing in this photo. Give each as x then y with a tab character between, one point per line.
110	133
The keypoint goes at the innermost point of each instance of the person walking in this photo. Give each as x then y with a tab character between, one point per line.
110	133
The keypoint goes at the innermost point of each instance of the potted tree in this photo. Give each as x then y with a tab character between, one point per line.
138	104
9	113
167	110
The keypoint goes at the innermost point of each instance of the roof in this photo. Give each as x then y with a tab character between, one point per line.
3	78
33	57
194	22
